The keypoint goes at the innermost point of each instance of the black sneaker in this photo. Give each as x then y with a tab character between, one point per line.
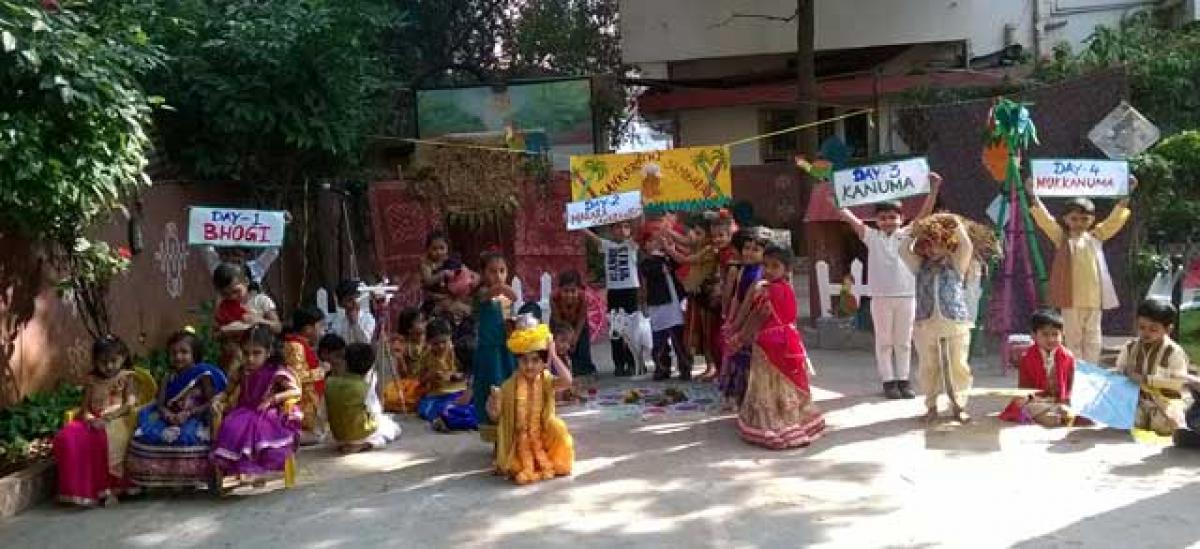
891	391
905	390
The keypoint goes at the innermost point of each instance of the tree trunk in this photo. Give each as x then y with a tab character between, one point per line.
806	76
806	141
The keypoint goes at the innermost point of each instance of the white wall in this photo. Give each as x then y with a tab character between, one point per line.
674	30
719	126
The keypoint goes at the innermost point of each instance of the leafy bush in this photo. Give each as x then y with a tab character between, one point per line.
32	421
1163	68
72	137
1168	195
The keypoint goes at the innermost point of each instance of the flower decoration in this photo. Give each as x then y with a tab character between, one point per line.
527	338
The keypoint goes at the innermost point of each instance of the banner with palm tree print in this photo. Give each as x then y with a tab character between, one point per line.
695	178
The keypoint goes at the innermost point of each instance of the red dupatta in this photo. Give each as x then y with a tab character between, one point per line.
229	311
779	338
1032	373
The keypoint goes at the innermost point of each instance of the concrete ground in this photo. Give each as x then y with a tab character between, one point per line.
879	479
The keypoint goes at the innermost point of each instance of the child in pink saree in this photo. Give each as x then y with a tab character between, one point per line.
777	411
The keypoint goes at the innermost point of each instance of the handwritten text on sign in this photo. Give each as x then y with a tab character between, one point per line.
1075	177
226	227
604	210
880	182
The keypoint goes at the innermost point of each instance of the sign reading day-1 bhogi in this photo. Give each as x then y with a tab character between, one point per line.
603	210
239	228
1080	177
881	182
694	178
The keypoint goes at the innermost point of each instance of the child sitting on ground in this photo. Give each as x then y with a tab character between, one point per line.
354	425
447	401
299	357
407	348
354	323
564	334
1049	368
939	257
331	351
1159	365
90	450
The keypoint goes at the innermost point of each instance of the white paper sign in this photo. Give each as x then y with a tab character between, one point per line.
241	228
604	210
881	182
1079	177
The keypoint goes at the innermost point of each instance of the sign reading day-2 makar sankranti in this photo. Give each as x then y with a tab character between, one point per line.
603	210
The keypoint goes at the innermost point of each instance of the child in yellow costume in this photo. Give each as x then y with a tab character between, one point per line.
532	443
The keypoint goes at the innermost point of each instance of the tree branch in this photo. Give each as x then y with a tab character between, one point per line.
739	15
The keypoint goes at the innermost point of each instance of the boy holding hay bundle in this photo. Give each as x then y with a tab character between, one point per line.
940	256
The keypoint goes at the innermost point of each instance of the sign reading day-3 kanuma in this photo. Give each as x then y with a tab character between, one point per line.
240	228
881	182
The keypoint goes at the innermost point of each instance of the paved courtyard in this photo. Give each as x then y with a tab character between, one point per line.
879	479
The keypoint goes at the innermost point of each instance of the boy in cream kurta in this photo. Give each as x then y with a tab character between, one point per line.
1159	365
1079	281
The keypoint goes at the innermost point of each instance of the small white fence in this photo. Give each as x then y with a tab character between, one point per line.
827	290
331	308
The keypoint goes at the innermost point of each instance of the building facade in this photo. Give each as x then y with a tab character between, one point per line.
721	70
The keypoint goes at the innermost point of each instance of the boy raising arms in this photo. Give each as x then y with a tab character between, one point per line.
621	282
1080	285
892	287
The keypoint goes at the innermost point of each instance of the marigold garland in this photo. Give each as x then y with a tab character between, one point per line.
529	340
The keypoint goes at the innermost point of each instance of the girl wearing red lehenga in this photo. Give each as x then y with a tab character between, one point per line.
777	411
90	450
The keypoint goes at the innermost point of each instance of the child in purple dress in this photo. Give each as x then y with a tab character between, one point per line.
259	433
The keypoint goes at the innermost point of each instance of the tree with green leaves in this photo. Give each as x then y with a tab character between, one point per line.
271	92
73	138
1162	64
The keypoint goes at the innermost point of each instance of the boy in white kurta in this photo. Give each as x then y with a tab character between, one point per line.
892	288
